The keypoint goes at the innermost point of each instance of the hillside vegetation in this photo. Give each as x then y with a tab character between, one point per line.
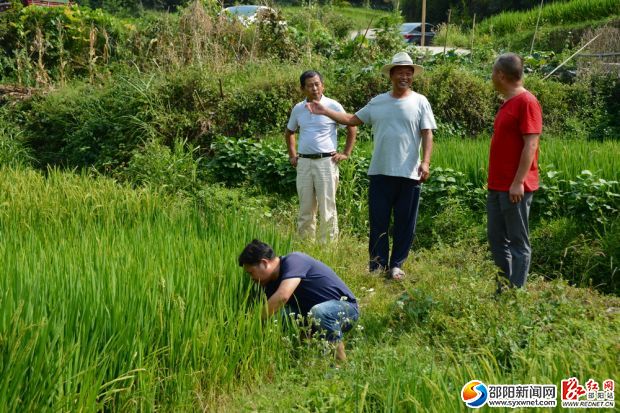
140	154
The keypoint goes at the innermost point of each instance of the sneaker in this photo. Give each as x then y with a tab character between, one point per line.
397	274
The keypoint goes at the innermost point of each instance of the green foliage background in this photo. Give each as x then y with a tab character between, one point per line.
145	148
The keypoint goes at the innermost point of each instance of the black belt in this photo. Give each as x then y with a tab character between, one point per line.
317	155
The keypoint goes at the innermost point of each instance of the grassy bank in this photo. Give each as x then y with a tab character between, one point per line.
124	300
419	342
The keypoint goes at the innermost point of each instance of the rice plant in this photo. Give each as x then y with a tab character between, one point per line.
572	11
119	299
570	157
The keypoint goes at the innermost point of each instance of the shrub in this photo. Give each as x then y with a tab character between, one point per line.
163	169
265	164
353	85
586	197
256	109
562	249
13	153
85	126
70	40
455	36
459	97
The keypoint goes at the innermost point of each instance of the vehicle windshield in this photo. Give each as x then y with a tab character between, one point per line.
243	10
407	27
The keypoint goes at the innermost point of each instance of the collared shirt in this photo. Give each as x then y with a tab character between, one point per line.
396	126
317	133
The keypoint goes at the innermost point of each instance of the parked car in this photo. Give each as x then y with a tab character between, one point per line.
248	14
412	33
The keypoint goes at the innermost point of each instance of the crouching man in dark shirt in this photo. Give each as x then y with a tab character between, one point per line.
305	286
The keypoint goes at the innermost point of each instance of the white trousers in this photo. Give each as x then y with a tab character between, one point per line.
317	182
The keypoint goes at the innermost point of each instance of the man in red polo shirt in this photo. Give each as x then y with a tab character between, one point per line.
513	172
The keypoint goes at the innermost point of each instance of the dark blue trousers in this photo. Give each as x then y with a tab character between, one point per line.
387	195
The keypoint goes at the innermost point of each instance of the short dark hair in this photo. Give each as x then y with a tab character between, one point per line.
254	252
511	65
307	75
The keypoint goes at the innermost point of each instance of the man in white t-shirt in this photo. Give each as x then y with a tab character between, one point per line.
402	124
316	159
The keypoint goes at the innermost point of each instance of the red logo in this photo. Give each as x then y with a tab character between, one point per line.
608	385
591	385
572	390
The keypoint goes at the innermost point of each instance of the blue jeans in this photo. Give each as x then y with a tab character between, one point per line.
508	233
402	196
334	317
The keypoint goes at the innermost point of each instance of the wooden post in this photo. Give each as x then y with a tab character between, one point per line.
473	36
445	43
536	29
423	39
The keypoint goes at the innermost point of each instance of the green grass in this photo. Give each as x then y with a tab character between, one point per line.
449	330
570	157
119	299
556	13
124	300
359	17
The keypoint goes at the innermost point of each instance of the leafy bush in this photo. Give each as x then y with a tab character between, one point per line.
562	249
586	197
459	97
256	109
13	153
84	126
87	126
163	169
68	40
264	164
452	35
354	85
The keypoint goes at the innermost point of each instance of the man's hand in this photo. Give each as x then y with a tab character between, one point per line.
424	170
316	108
339	157
515	193
293	161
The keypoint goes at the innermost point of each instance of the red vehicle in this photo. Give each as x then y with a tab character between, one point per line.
54	3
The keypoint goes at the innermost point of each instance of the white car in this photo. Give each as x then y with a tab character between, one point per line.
248	14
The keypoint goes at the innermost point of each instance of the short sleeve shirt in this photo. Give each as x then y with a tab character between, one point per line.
396	126
319	283
518	116
317	133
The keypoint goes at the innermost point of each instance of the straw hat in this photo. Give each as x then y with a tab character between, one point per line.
402	59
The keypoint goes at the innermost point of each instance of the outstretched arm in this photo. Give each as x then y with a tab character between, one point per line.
342	118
